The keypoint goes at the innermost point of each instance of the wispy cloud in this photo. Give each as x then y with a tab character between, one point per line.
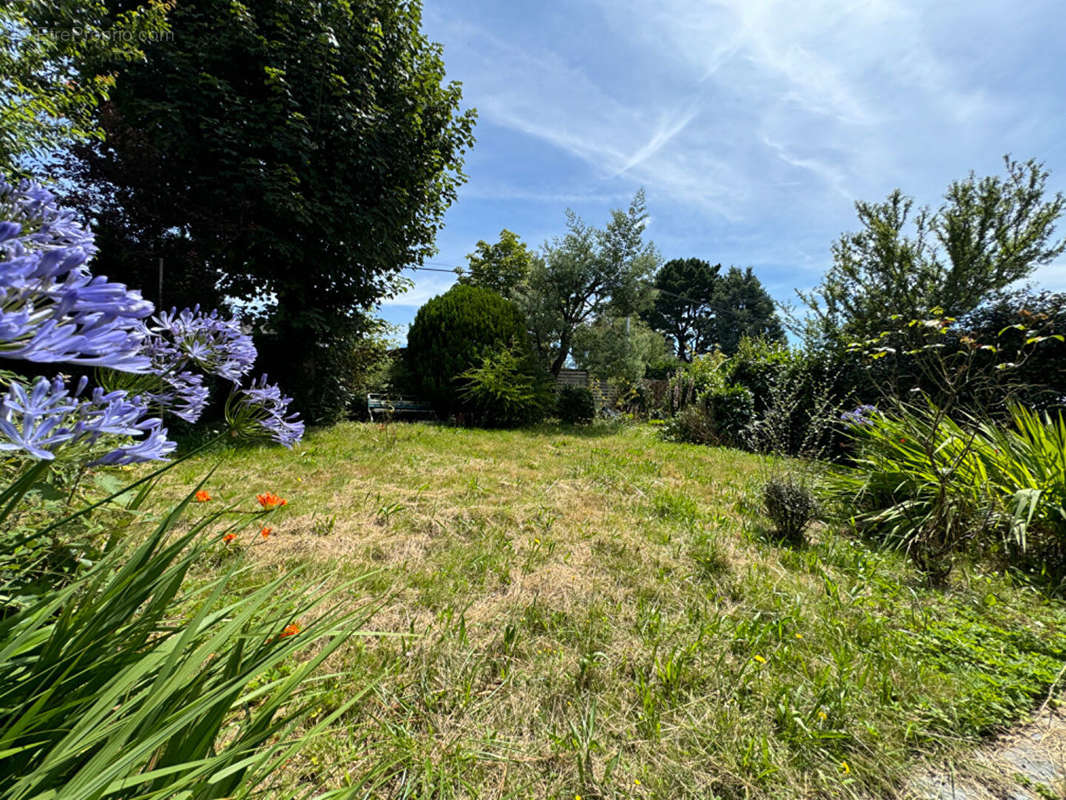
753	124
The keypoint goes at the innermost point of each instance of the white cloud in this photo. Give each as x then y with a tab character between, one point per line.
426	285
1050	276
754	124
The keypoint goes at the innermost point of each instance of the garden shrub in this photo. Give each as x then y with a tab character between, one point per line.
732	410
758	365
719	417
692	424
575	405
453	333
932	485
791	505
694	379
507	390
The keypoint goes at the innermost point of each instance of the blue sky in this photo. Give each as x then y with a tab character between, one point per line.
753	125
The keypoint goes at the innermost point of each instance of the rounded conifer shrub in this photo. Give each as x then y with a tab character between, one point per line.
455	333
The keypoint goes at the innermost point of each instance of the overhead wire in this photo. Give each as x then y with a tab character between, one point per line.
452	271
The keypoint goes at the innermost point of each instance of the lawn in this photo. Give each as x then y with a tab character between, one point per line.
596	613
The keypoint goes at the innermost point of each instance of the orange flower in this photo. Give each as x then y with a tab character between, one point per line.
270	500
265	532
229	537
290	630
201	496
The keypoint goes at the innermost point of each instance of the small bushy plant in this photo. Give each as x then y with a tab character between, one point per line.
758	365
791	505
720	418
694	379
693	425
575	405
507	390
732	409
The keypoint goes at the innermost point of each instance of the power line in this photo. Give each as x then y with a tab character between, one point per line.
452	271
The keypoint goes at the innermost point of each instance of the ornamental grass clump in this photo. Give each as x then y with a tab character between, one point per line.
120	678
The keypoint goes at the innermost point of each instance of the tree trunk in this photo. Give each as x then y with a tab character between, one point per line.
564	351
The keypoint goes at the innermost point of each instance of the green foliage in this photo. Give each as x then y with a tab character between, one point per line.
502	267
126	681
932	485
685	289
989	233
54	72
507	390
742	307
692	424
32	562
732	409
759	364
694	379
720	416
346	358
454	332
1008	321
575	405
617	348
588	273
1026	469
296	160
791	505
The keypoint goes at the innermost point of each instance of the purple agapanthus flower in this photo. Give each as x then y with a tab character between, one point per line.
37	420
42	419
861	416
52	309
216	345
185	395
153	447
260	410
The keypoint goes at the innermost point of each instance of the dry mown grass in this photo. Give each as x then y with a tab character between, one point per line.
599	614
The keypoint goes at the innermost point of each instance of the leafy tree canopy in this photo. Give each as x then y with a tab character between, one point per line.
296	156
54	71
988	233
502	267
586	273
741	307
682	307
618	348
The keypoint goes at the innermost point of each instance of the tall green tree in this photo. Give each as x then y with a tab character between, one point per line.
54	72
587	273
742	307
293	156
502	267
618	348
988	233
682	307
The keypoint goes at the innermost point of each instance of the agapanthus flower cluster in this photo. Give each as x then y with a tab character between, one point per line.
215	345
48	416
862	416
259	409
52	309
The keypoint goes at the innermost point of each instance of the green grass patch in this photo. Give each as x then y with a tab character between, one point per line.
596	612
